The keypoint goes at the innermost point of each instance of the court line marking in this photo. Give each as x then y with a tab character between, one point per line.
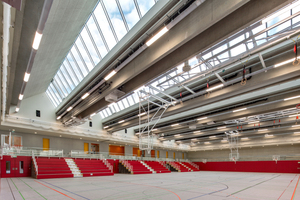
33	189
10	189
287	186
54	190
17	188
65	190
295	189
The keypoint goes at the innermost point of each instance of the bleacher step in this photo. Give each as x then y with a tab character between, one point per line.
73	167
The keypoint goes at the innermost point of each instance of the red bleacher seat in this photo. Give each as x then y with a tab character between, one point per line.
138	167
52	168
157	167
92	167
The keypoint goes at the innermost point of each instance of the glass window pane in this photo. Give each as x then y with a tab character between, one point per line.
120	105
279	28
145	5
21	167
116	18
108	111
97	37
125	103
237	40
57	88
51	98
116	107
55	92
74	67
130	100
101	114
104	25
7	167
63	81
67	77
84	54
130	12
79	62
70	72
238	50
88	42
279	18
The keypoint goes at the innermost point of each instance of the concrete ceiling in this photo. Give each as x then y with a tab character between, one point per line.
64	23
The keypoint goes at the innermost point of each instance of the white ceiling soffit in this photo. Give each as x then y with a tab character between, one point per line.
65	21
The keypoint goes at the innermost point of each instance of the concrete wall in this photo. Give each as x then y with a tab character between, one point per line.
247	153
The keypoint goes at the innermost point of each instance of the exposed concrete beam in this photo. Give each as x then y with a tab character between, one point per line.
167	53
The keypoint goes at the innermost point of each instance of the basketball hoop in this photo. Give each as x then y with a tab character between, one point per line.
146	142
18	148
276	158
204	161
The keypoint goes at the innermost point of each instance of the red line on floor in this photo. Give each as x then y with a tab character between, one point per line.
55	190
287	186
295	189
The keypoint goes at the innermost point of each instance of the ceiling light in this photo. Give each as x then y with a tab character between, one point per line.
58	117
121	121
113	72
60	136
267	135
244	138
93	114
240	110
295	125
267	19
178	135
17	109
154	129
26	77
254	122
262	129
283	63
144	113
157	36
97	140
202	118
216	87
174	124
212	137
35	132
20	96
222	127
197	132
106	126
292	98
297	133
85	95
37	40
81	138
293	115
70	108
206	142
224	140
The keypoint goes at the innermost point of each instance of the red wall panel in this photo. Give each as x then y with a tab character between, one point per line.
283	166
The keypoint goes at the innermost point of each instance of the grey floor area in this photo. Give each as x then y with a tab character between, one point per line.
190	185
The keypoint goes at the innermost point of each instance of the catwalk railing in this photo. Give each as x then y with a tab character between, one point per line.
30	151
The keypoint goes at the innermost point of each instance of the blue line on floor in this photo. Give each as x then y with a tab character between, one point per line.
209	193
65	190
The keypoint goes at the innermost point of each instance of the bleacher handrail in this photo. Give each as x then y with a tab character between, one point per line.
194	165
35	163
110	167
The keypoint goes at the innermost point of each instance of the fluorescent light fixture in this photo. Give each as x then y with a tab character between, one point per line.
206	142
240	110
85	95
106	126
26	77
70	108
295	126
121	121
290	98
244	138
60	136
297	133
154	129
293	115
202	118
254	122
284	62
20	96
212	137
37	41
178	135
267	135
267	19
17	109
174	124
197	132
81	138
224	140
113	72
157	36
58	117
222	127
93	114
144	113
262	129
216	87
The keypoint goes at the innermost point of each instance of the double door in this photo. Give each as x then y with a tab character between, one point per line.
15	166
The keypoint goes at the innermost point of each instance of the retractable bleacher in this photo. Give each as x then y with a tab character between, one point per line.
52	168
189	165
92	167
138	167
157	167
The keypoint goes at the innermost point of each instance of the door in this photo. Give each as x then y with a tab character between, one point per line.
157	154
167	154
173	155
16	166
46	144
86	148
152	153
182	155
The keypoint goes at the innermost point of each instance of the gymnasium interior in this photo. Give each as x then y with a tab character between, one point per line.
150	99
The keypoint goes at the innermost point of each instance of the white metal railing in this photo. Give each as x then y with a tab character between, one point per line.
27	151
194	165
86	154
35	164
127	165
173	164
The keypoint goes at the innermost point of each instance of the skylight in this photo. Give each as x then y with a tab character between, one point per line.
107	25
